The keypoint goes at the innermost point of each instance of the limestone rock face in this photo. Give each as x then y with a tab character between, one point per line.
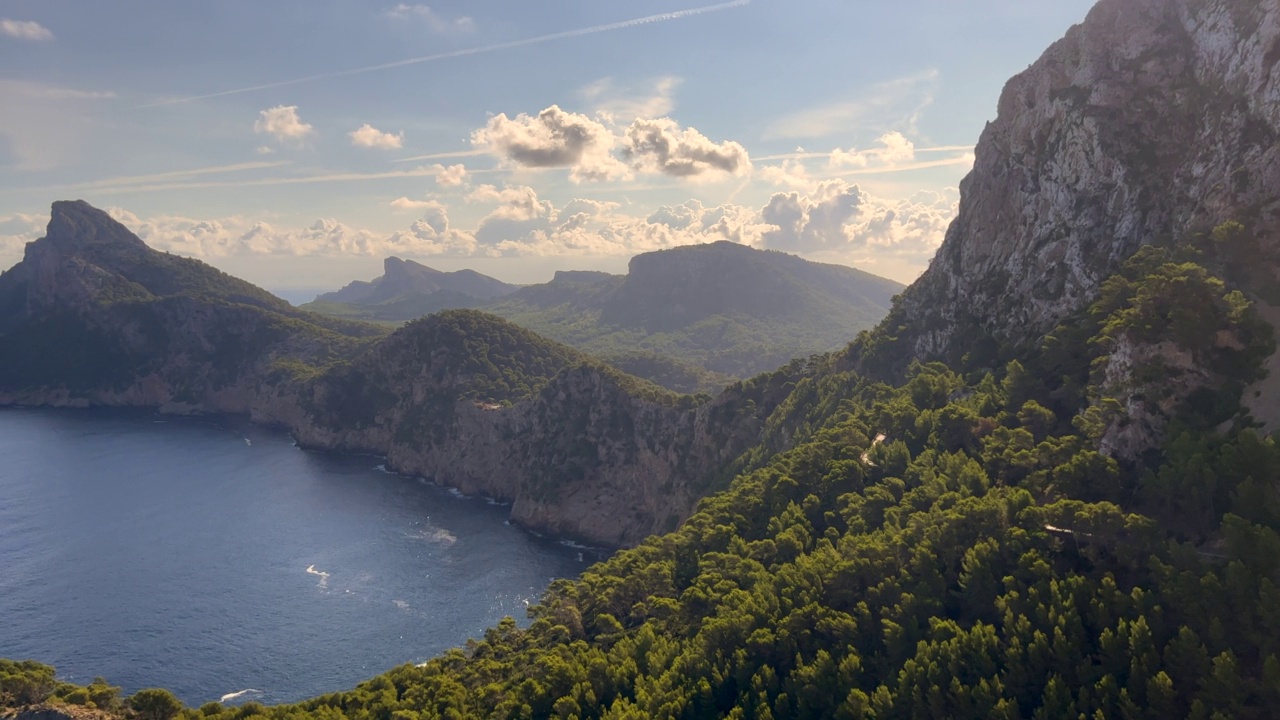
1151	120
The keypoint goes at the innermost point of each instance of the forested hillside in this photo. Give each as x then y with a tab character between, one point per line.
951	546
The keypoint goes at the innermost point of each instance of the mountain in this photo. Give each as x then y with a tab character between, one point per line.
93	317
724	307
1151	121
408	290
1013	498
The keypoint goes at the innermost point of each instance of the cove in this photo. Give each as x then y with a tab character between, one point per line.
214	558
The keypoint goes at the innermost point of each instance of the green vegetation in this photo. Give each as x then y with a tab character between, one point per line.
690	319
949	545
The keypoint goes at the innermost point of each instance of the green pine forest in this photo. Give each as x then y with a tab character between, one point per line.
941	542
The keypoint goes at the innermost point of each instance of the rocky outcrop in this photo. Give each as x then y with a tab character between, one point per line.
1152	120
409	283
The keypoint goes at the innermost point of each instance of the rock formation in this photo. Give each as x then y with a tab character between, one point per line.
1151	121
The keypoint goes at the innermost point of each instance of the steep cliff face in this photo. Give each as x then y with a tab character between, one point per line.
1152	120
578	449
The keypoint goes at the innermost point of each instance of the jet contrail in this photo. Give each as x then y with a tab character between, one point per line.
661	17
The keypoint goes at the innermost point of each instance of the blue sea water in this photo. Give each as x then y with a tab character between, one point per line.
213	557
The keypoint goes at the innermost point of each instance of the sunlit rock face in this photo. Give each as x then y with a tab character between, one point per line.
1153	119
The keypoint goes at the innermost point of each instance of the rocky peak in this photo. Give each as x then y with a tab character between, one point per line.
75	225
1152	120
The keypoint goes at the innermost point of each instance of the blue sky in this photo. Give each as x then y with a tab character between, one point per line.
290	142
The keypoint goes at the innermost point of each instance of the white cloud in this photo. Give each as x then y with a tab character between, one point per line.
405	203
835	222
432	19
451	176
839	218
370	137
432	235
16	231
24	30
662	146
554	139
894	103
627	104
282	123
895	149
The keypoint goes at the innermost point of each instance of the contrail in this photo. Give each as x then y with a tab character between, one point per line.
661	17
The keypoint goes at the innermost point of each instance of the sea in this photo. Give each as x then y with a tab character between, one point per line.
215	558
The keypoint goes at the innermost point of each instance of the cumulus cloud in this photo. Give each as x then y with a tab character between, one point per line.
432	19
812	222
405	203
371	137
662	146
432	235
239	236
451	176
838	217
16	231
894	149
833	221
24	30
554	138
282	123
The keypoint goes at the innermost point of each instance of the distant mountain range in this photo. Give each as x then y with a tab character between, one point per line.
689	318
407	290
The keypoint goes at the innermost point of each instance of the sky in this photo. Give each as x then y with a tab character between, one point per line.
297	143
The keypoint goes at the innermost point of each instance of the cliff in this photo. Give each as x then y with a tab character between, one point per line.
1153	120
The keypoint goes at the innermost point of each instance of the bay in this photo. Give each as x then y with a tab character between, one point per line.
213	557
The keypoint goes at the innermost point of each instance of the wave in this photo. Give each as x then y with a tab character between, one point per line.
324	576
434	535
237	695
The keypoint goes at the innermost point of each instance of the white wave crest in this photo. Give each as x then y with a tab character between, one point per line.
324	576
238	695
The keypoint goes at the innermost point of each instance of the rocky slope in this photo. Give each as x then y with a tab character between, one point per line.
92	317
1151	121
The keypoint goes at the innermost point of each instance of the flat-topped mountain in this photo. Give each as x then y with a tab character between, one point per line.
408	290
723	307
